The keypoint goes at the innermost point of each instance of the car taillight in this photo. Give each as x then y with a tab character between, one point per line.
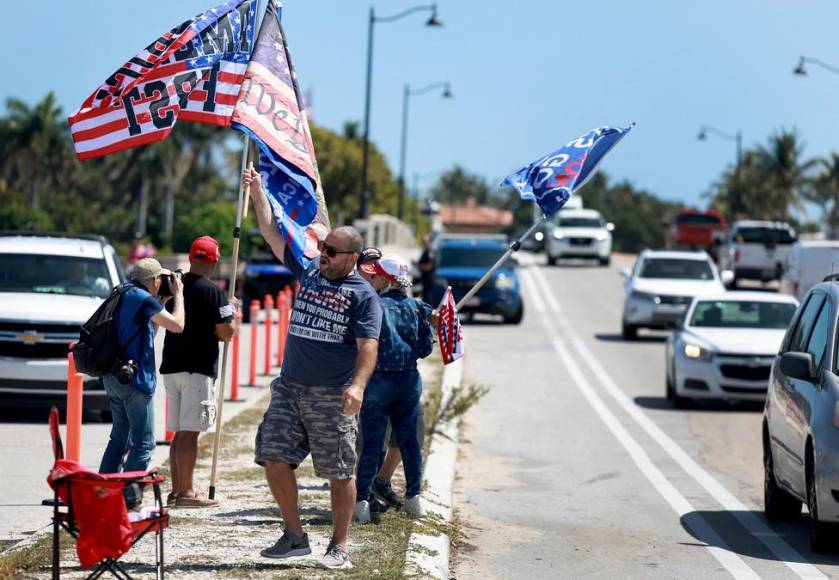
736	255
836	415
795	286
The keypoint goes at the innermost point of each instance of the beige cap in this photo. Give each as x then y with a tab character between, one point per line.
148	268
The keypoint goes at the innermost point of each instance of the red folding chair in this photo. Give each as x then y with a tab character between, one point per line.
91	507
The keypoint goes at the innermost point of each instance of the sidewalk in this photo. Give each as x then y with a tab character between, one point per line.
225	541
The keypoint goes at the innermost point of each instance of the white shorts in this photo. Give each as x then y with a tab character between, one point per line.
192	402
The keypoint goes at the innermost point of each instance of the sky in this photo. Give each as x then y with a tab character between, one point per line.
527	76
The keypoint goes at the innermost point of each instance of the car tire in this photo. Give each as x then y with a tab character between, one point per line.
516	317
551	259
778	504
605	261
629	331
823	535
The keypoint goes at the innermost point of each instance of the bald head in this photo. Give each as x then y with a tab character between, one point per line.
351	238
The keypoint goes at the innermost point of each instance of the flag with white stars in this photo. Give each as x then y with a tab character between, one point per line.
270	110
552	179
191	73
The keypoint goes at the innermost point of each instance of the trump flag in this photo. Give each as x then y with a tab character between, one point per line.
271	111
191	73
552	179
449	332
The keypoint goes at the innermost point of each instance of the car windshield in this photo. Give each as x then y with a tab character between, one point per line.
676	268
579	222
47	274
698	218
764	235
742	314
471	257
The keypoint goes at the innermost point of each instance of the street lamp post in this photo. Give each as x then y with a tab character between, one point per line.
407	93
738	139
364	194
802	72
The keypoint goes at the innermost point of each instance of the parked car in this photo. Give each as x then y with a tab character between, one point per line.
757	250
661	285
262	273
801	420
51	283
809	261
579	233
725	346
463	260
693	229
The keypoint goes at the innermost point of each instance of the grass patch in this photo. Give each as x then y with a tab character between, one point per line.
21	562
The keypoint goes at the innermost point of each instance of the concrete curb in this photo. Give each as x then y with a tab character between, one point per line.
428	555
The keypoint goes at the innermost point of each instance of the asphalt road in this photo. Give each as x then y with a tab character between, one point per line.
576	465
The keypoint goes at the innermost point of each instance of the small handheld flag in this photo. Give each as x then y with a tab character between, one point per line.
552	179
449	331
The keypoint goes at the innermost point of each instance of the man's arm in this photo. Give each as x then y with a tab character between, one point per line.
365	364
173	322
264	216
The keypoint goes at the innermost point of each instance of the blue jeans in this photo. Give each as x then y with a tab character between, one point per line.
394	396
132	431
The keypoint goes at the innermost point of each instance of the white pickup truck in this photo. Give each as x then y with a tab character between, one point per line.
756	250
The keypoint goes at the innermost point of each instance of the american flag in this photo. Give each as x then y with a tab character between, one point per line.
552	179
270	110
449	332
192	73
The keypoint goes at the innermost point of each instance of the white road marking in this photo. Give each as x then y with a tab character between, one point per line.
755	526
731	561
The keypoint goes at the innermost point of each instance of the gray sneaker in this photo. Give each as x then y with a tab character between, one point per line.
288	546
336	558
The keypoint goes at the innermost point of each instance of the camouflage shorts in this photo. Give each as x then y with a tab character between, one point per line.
303	419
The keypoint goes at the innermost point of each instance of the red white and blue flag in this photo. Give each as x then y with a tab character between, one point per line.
449	331
270	109
192	73
552	179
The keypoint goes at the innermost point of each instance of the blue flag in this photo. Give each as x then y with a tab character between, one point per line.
551	180
270	110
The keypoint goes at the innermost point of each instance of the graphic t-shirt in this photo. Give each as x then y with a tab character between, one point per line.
136	335
328	317
195	350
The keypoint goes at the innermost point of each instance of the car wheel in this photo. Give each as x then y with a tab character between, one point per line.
605	261
778	504
629	331
671	388
516	317
823	535
551	259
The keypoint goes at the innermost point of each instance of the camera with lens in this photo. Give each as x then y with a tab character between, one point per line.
125	371
167	280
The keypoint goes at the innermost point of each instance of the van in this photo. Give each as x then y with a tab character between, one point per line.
807	264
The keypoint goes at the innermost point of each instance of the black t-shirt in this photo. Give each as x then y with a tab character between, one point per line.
195	350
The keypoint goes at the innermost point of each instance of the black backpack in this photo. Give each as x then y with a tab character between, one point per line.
98	350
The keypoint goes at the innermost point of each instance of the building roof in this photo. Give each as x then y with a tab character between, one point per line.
472	214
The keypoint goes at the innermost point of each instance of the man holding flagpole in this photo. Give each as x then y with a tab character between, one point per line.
329	357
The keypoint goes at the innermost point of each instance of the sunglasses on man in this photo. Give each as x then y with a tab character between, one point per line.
331	251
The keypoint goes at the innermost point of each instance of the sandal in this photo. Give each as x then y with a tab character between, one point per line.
171	499
195	502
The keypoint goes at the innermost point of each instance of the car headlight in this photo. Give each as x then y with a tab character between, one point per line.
538	236
602	237
557	235
646	296
697	352
503	282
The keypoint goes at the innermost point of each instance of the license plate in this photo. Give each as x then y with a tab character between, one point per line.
474	301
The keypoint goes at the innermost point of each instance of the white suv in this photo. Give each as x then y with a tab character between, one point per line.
50	284
757	250
579	233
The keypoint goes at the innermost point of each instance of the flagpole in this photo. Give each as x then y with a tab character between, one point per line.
241	213
514	247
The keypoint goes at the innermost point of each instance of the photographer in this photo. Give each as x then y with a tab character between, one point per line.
130	386
189	368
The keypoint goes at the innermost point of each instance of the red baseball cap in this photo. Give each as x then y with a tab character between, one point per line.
204	249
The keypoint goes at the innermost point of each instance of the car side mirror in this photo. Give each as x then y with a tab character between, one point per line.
625	272
610	227
727	277
798	365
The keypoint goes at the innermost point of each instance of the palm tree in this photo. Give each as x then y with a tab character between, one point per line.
35	150
823	190
783	173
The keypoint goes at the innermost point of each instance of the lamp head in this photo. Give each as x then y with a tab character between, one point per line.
447	92
800	70
702	136
433	20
